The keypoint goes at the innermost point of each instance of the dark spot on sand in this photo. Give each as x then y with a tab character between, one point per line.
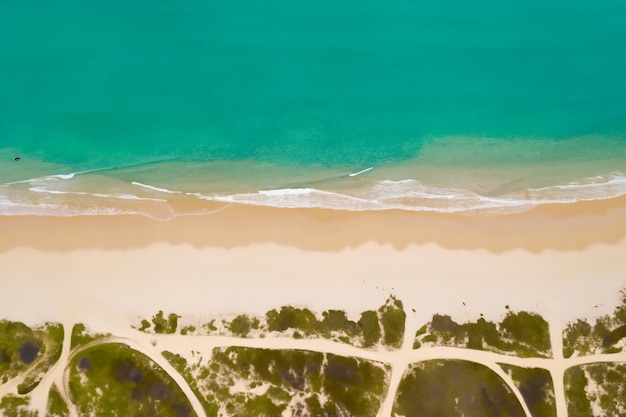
28	352
84	364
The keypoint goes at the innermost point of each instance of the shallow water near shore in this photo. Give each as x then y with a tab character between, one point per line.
411	106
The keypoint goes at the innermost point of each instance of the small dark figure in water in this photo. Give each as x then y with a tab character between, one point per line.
17	158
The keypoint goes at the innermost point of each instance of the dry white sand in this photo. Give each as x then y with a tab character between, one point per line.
563	261
105	288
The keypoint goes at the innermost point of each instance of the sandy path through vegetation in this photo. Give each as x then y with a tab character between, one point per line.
152	345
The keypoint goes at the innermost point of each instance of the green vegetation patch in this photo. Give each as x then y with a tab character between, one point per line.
188	330
114	380
605	335
354	387
522	334
536	387
24	350
593	387
243	324
371	328
374	327
265	382
292	318
386	324
13	406
393	318
161	324
57	407
195	374
454	388
81	336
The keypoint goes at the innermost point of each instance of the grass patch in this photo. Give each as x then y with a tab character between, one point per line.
160	324
385	325
605	335
522	334
371	328
536	387
13	406
452	388
52	335
291	318
355	387
113	379
392	319
188	329
242	325
56	405
164	325
265	382
19	347
600	386
24	350
528	328
81	336
336	321
187	372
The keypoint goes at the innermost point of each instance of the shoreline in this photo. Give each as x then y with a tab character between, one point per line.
160	190
559	227
563	262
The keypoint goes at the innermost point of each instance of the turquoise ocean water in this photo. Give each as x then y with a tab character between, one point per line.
121	107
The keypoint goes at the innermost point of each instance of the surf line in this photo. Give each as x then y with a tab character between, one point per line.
354	174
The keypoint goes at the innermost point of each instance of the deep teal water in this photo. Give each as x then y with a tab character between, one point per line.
223	97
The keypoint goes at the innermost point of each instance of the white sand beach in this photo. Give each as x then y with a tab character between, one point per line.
564	262
560	261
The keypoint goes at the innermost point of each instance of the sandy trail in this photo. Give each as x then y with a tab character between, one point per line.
399	359
558	367
55	376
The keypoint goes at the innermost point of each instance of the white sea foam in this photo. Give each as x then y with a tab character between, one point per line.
64	176
406	194
44	178
412	195
117	196
289	192
354	174
300	198
22	208
153	188
28	181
